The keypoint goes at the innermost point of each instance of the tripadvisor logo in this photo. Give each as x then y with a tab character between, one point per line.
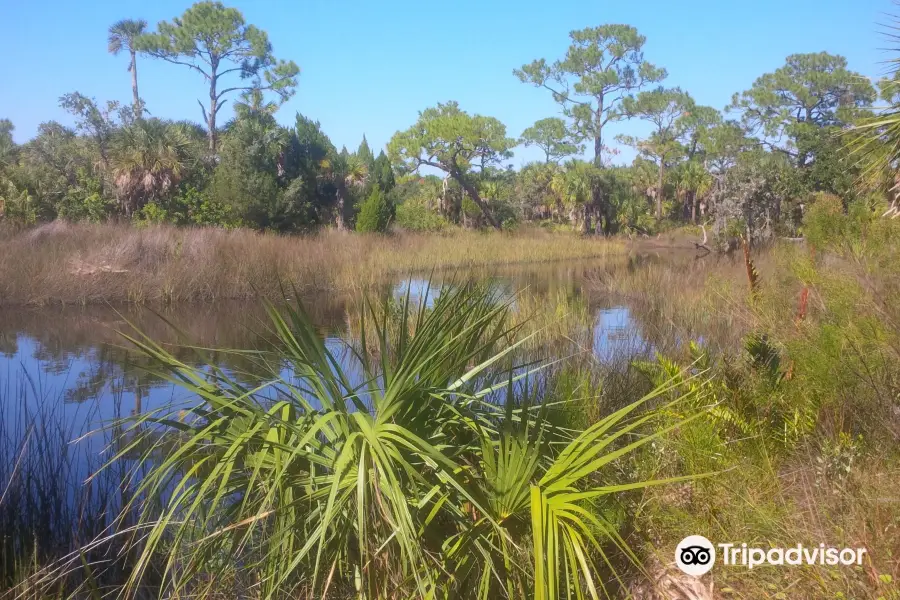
696	555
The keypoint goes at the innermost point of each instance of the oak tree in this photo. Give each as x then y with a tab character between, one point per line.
451	140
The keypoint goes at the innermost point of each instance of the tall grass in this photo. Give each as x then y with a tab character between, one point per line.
805	374
79	263
46	509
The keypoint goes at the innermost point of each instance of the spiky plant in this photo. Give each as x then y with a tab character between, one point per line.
149	158
874	142
345	172
418	469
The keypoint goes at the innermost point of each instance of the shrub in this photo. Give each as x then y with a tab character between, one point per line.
340	486
415	216
376	213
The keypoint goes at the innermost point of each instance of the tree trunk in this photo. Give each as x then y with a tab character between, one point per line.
339	210
211	118
598	137
586	224
659	190
138	106
476	198
213	102
694	208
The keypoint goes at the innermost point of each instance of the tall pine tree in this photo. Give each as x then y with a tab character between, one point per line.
365	153
382	174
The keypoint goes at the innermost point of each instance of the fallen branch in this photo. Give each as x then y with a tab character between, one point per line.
702	245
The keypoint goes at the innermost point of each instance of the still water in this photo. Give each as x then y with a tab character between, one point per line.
75	360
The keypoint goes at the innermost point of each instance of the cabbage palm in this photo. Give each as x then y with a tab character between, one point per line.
122	35
433	474
345	172
575	187
693	182
148	159
253	104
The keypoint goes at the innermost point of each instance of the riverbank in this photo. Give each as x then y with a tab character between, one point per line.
66	263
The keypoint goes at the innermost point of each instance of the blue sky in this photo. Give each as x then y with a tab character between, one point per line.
369	67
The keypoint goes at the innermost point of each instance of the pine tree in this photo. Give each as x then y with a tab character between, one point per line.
383	173
365	153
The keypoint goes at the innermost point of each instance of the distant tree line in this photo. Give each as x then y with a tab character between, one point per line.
751	170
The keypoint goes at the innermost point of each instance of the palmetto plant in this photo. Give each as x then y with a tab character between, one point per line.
433	474
148	159
875	141
345	171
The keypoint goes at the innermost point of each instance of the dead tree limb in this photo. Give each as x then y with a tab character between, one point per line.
702	244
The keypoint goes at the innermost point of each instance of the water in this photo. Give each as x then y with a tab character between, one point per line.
77	357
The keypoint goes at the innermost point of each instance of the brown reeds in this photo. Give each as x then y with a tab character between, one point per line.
80	263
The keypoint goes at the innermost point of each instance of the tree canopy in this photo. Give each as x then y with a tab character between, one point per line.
450	139
810	90
603	66
215	42
552	137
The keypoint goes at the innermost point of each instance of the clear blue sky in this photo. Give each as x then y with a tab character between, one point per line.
369	67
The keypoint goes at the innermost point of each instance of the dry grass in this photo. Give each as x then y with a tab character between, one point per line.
79	263
677	296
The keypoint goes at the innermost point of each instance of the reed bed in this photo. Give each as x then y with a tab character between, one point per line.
66	263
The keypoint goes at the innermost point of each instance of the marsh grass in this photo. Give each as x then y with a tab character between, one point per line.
808	361
47	511
80	263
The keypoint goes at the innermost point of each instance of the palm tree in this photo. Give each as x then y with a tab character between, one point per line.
253	104
693	182
345	172
122	35
148	159
575	187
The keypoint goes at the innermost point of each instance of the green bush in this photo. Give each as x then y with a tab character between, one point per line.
415	216
376	213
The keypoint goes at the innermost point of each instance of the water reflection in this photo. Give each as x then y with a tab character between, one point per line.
77	354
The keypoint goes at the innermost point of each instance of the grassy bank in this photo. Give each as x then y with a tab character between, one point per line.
801	363
78	263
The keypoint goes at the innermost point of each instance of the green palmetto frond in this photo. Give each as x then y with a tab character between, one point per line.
429	473
148	158
874	142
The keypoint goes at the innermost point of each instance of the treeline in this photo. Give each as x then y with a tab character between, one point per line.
751	170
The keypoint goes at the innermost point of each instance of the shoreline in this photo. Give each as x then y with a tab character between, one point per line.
62	264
